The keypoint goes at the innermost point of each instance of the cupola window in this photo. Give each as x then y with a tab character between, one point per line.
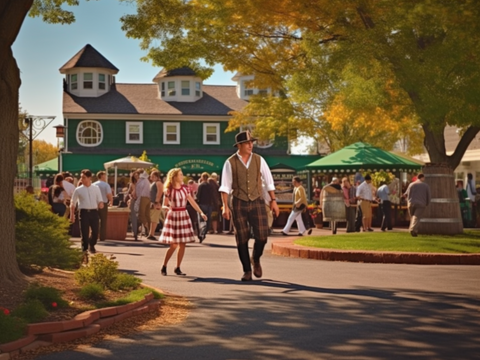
185	87
88	80
198	89
73	82
101	81
171	88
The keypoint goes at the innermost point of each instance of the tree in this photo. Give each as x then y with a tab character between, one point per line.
402	59
12	15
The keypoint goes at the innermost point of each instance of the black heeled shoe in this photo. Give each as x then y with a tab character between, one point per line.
178	271
164	270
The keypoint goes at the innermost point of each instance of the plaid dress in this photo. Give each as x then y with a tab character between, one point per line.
177	227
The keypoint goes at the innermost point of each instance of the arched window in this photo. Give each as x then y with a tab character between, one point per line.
89	133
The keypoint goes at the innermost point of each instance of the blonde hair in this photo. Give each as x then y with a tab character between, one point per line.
170	177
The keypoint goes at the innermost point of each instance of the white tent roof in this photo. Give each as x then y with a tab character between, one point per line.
128	163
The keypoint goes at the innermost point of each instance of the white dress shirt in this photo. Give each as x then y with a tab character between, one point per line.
88	198
364	191
227	178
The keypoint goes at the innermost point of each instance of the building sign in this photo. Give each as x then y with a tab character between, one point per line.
195	164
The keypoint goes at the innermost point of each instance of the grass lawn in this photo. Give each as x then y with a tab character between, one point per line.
468	242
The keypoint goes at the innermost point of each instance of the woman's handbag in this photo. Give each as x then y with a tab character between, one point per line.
302	207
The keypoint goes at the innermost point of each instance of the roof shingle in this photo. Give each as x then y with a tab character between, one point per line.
90	58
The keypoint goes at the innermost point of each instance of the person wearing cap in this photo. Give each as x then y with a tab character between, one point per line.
242	175
365	198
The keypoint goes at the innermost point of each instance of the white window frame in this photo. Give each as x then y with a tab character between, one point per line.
198	88
171	91
185	91
87	81
99	131
102	82
128	132
74	84
177	133
205	134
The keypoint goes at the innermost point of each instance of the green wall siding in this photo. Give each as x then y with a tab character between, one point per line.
191	135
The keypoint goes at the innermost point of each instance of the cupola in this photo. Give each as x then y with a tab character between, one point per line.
88	73
181	84
244	87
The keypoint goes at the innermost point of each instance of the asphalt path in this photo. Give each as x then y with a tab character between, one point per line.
300	309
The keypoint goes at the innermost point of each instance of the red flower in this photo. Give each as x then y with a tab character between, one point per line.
5	311
54	304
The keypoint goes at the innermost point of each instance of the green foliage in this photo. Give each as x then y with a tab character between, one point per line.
381	177
42	238
133	296
11	328
50	297
125	281
100	270
92	292
31	311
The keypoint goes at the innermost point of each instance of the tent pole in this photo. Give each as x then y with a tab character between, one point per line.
115	183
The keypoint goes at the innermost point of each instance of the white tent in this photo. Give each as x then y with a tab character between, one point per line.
126	163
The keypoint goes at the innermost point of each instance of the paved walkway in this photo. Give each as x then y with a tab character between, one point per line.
300	309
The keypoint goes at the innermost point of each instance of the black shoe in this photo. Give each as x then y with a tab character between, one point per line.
309	232
92	250
370	229
151	237
413	233
300	234
164	270
178	271
201	238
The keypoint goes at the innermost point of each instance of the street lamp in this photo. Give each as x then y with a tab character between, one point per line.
60	133
35	125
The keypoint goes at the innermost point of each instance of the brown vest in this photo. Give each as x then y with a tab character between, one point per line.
246	183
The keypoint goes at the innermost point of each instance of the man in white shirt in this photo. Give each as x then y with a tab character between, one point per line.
242	175
89	201
365	198
107	199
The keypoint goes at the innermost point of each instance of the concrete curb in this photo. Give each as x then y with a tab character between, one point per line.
84	324
288	249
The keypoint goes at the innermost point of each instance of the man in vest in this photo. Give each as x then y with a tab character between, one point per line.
242	175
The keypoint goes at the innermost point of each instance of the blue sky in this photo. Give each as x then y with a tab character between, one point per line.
41	49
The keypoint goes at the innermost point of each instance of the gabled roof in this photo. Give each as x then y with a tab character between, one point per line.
183	71
143	99
90	58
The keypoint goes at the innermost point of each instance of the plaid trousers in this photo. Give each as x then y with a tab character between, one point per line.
247	216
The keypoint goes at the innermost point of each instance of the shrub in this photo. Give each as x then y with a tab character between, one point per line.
42	238
51	298
92	292
31	311
125	282
11	328
99	270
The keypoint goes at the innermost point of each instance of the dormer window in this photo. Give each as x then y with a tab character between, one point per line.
248	92
185	87
198	88
73	82
101	81
171	88
88	80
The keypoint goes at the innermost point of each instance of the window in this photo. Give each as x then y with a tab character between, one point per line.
88	80
134	132
163	90
211	134
171	88
263	92
73	82
89	133
101	81
171	133
185	87
248	92
198	89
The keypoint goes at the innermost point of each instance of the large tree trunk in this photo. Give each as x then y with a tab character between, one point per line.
12	14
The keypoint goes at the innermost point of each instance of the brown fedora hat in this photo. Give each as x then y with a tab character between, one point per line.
242	137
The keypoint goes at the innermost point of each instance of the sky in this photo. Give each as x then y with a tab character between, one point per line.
41	49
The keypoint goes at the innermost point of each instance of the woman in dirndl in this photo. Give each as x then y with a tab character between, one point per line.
177	228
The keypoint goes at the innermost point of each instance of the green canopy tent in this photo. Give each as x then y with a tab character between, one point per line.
49	167
363	157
